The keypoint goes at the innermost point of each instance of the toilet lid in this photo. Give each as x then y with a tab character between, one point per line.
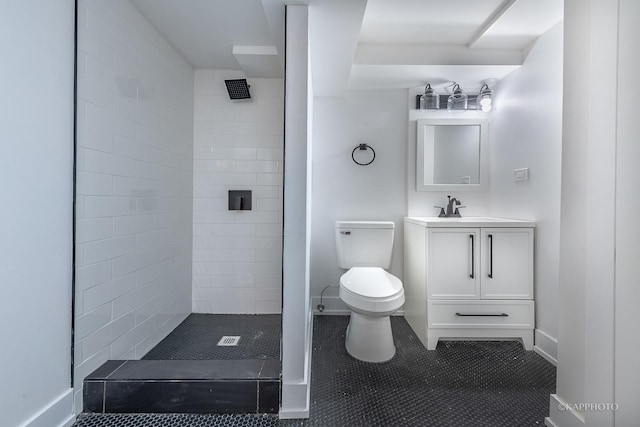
372	282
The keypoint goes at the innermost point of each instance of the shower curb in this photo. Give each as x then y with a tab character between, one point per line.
184	386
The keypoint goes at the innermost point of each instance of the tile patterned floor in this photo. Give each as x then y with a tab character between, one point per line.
196	338
459	384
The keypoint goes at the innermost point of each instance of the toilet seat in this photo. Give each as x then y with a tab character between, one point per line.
371	290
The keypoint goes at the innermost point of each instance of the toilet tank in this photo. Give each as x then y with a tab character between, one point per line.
364	243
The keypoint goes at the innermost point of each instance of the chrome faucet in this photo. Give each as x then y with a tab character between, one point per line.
452	208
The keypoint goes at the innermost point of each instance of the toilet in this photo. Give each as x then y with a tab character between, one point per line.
371	293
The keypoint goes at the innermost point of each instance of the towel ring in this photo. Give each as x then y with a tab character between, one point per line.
363	147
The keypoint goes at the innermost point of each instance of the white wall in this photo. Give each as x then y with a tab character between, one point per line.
134	186
627	291
343	190
526	132
296	313
598	271
36	118
238	145
587	284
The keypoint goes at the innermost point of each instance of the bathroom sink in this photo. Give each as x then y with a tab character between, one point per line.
468	221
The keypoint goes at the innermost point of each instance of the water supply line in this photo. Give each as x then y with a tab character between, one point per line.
321	306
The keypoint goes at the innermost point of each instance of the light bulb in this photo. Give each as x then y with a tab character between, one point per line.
485	104
484	100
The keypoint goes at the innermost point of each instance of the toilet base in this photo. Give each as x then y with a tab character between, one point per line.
369	338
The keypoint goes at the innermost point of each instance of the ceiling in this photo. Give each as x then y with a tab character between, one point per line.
360	44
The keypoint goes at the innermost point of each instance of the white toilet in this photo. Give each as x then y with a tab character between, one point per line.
371	293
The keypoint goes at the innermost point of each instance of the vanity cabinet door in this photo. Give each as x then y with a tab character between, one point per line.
507	263
453	263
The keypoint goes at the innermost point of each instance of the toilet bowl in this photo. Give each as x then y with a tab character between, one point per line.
372	295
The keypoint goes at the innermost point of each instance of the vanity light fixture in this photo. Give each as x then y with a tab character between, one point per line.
484	99
457	102
430	99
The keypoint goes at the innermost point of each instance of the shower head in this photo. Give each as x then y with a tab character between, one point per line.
238	89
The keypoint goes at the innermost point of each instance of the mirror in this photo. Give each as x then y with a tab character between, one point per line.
452	154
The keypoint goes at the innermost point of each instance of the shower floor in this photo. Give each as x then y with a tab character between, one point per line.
196	338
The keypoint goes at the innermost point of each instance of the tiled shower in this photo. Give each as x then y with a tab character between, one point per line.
238	145
159	145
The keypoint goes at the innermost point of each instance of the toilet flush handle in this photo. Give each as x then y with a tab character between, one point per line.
348	233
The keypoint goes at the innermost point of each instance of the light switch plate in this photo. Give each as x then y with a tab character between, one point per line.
521	174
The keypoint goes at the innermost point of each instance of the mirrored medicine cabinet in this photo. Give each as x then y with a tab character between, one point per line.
452	154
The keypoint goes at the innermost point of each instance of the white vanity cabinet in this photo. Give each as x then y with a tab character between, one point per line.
469	278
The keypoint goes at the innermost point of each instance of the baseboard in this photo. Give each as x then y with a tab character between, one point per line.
562	416
298	395
58	412
546	346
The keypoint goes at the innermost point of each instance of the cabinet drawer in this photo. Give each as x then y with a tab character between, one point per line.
480	314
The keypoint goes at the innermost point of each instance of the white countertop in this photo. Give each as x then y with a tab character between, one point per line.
469	221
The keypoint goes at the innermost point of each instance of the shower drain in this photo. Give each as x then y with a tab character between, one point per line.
228	341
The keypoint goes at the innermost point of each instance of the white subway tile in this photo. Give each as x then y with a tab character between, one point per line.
126	343
213	217
201	204
234	153
94	138
106	206
269	281
101	162
232	307
270	128
79	255
92	321
102	250
244	113
173	249
268	204
233	255
269	229
79	303
269	307
201	281
135	187
268	255
92	275
94	184
105	292
99	117
267	192
153	272
156	238
235	128
211	268
133	224
270	153
94	47
173	219
256	217
105	335
235	179
203	307
258	268
88	230
271	115
269	178
133	262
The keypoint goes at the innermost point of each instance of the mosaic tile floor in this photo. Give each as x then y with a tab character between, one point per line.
196	338
460	384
